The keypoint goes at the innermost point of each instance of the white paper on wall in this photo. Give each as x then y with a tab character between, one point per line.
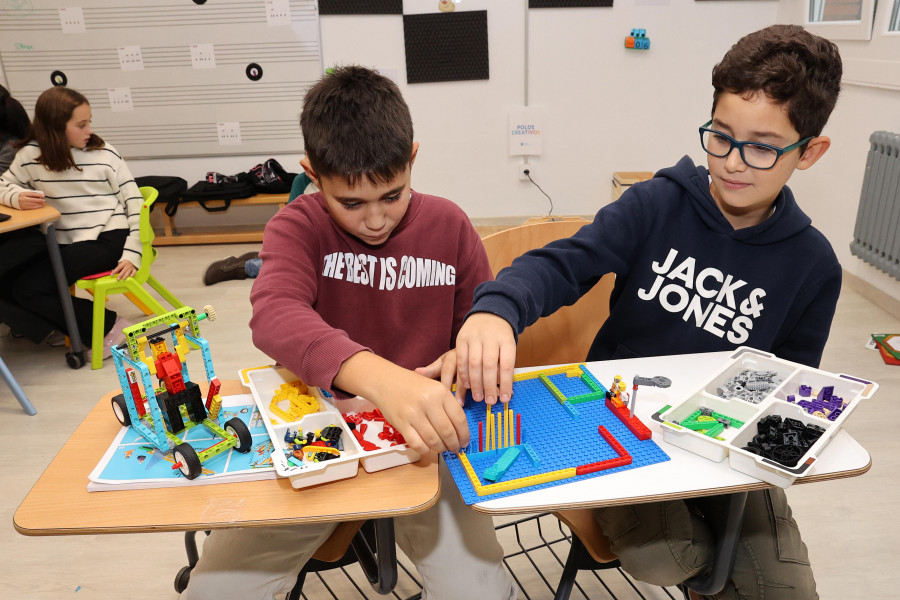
71	18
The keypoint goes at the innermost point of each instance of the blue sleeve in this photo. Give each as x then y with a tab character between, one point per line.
543	280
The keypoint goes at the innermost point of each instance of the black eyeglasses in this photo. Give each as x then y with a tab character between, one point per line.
755	155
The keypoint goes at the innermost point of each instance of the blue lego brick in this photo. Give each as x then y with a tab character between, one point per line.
558	440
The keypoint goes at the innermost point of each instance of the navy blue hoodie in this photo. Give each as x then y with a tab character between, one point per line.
686	280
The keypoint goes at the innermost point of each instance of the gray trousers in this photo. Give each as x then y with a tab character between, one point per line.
664	543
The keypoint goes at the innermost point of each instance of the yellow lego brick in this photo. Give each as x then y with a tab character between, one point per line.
513	484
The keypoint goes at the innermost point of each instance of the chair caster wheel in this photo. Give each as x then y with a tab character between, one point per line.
182	579
75	361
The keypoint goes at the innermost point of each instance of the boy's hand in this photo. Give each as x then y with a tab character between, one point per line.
421	409
485	357
444	368
30	199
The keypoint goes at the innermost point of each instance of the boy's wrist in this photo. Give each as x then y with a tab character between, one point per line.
366	374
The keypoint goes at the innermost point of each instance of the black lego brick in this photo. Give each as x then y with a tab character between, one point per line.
360	7
446	46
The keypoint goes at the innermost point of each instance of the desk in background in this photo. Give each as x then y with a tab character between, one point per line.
44	218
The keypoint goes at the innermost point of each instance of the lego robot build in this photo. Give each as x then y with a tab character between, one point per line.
164	414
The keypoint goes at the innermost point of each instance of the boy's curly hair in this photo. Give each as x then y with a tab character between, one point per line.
791	66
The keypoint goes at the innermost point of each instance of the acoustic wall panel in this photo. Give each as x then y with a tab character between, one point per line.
361	7
446	46
184	79
569	3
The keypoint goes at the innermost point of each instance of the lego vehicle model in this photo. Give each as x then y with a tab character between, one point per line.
165	414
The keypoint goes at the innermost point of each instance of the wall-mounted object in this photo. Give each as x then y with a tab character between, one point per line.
360	7
638	40
446	46
570	3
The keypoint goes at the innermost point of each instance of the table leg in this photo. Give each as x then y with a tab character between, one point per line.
16	389
75	359
379	564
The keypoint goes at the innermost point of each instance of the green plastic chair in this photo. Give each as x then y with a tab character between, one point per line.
102	287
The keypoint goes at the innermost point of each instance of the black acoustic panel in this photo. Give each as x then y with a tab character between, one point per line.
446	46
568	3
360	7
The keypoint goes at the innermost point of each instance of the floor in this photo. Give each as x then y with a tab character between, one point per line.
850	525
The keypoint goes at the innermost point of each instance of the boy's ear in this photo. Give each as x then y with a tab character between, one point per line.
412	158
814	151
307	168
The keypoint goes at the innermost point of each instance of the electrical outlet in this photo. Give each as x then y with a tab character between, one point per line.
526	171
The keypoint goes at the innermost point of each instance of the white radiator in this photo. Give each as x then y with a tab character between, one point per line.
876	237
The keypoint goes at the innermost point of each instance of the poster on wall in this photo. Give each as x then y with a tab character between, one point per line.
195	79
446	46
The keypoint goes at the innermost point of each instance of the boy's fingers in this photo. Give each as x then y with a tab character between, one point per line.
448	372
415	442
459	421
474	368
462	366
489	364
431	371
507	364
461	391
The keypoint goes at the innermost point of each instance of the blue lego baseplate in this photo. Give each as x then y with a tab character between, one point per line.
561	437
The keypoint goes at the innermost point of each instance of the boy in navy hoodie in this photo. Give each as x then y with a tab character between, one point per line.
705	260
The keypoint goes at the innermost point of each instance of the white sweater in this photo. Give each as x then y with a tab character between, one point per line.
102	196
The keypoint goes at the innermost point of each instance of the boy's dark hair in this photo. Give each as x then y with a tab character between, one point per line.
791	66
14	121
52	111
356	124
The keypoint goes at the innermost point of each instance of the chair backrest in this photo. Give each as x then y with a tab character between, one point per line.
148	252
566	335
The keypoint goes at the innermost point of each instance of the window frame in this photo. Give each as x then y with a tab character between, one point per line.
844	30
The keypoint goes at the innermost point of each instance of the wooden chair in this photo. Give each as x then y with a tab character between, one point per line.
565	337
102	287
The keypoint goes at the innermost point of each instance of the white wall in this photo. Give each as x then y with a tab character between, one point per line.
829	192
606	108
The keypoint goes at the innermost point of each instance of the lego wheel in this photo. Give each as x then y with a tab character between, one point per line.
239	430
188	461
120	409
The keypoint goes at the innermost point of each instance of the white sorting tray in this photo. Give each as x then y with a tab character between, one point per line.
780	394
265	381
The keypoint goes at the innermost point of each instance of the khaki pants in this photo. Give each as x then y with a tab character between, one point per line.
664	543
454	548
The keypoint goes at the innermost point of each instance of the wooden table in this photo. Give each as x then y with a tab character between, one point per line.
59	503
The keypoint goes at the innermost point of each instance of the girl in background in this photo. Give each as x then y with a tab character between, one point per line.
62	162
